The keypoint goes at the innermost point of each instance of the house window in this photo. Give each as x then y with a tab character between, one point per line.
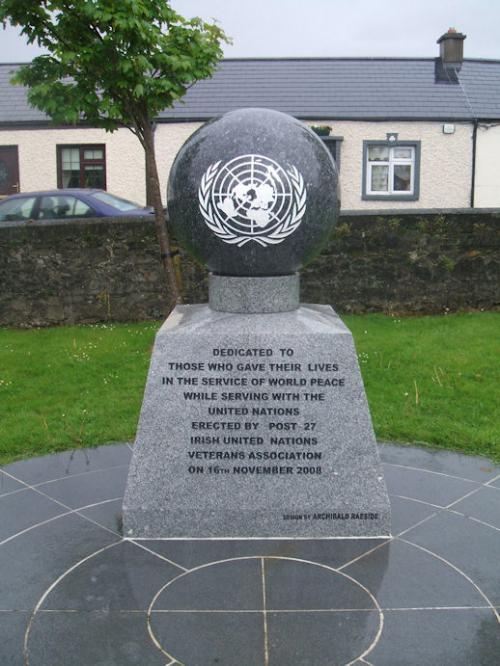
332	144
391	170
81	166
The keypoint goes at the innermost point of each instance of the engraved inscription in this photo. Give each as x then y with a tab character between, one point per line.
252	415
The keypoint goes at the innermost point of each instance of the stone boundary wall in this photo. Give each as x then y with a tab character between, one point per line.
92	270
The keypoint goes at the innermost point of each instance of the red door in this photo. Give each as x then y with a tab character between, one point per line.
9	170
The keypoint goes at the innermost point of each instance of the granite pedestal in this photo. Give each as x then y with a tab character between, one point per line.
255	426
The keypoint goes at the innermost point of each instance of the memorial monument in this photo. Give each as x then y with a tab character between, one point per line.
255	422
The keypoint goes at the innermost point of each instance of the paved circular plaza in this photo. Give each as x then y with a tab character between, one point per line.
73	591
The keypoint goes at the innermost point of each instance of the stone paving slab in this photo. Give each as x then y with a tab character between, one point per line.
72	589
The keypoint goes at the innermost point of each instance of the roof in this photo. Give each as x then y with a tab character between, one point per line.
320	88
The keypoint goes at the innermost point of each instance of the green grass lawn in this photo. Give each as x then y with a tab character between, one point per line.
429	380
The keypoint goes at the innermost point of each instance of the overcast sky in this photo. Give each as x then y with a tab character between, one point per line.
314	28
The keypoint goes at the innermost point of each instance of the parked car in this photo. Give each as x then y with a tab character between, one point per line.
67	204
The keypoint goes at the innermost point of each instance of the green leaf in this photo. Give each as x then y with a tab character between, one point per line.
139	90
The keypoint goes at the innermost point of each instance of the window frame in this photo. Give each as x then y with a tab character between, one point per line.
391	195
82	147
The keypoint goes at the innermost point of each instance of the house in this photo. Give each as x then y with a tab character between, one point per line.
407	133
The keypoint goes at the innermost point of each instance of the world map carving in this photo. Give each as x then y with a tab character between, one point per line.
252	198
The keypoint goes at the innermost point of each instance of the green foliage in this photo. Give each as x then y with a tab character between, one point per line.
394	223
447	263
428	379
422	225
321	130
111	63
342	230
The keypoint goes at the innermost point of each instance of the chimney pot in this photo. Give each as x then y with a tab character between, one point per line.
451	46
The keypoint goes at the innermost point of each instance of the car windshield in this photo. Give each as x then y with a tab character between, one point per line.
116	202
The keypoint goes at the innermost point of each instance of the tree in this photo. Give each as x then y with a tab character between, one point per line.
112	64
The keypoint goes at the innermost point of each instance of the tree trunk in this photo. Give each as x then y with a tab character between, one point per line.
154	192
149	195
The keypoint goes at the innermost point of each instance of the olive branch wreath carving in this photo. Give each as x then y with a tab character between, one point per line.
278	235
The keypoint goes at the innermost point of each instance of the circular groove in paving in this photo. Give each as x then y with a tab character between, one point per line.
279	591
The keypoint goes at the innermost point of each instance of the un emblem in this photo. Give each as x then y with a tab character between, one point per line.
252	198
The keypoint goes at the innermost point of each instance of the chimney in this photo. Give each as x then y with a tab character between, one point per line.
451	46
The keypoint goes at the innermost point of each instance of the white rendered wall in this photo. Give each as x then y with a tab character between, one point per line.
169	138
445	169
487	185
125	171
445	162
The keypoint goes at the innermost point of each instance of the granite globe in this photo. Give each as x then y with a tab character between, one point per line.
253	193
